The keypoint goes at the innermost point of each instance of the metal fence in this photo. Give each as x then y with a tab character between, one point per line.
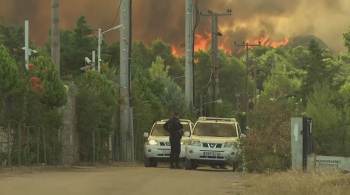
28	145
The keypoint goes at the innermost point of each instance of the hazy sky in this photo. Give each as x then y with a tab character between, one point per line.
152	19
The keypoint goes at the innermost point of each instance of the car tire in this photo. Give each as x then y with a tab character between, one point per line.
188	164
148	162
235	166
154	163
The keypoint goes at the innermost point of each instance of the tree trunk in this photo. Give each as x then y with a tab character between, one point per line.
9	147
93	147
38	146
44	146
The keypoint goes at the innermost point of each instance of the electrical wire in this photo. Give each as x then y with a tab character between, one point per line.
115	18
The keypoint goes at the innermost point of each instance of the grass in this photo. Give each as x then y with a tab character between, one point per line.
297	183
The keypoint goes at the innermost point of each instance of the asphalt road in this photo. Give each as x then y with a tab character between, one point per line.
121	180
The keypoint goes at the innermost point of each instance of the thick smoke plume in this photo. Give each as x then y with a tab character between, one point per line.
276	19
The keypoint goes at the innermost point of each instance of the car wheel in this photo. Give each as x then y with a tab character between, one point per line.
154	163
234	166
188	164
148	162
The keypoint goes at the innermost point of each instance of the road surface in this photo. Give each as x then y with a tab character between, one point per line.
121	180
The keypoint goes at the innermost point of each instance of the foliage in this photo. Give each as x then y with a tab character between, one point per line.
75	46
330	123
96	103
51	89
267	145
8	73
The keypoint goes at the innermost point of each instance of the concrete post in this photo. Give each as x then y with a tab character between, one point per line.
189	55
69	138
297	143
126	134
55	33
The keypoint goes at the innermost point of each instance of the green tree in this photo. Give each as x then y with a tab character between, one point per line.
96	107
9	79
12	38
76	45
327	120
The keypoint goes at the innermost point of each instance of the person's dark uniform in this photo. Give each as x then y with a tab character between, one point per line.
174	127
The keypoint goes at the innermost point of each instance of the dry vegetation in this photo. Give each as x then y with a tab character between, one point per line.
294	183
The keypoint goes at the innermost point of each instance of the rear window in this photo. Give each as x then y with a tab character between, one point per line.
215	130
158	129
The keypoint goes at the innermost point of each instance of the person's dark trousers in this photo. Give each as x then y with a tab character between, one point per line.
175	144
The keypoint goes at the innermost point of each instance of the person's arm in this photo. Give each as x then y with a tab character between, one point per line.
166	126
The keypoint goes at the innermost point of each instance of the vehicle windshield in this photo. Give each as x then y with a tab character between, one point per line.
215	130
158	129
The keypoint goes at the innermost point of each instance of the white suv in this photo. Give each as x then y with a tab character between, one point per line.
157	145
214	141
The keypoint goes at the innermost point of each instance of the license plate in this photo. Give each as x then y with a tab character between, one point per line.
211	154
166	152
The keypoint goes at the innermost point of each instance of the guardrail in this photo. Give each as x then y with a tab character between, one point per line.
319	162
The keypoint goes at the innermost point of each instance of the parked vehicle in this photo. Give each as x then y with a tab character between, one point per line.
215	142
157	145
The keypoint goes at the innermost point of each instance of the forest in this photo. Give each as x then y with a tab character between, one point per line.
302	78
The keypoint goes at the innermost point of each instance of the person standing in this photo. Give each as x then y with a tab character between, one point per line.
175	129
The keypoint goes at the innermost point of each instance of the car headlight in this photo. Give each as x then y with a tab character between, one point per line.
152	142
195	143
229	144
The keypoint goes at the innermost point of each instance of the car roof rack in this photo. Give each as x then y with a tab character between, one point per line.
181	120
204	118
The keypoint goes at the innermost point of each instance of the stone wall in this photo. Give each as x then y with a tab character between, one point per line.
69	134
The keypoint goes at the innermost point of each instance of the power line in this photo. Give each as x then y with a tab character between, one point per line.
248	46
115	18
214	51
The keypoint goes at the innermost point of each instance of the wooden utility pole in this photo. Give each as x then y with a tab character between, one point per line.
55	33
247	47
189	54
126	117
214	87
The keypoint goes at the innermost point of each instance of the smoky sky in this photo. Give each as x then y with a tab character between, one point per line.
164	19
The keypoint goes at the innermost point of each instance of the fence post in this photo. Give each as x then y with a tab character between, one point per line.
9	147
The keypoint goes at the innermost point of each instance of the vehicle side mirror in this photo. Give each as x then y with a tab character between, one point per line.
243	135
187	134
145	134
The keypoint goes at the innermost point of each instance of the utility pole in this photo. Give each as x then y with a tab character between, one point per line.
26	44
93	54
247	47
99	42
27	50
126	121
55	33
189	37
214	52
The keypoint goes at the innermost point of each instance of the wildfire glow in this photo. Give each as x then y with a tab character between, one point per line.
203	42
176	51
268	42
